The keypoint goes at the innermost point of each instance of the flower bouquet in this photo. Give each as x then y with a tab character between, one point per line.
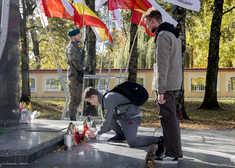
26	116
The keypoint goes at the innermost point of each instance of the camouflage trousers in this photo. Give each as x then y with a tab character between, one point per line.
75	95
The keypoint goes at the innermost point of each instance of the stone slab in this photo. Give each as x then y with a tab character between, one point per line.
25	143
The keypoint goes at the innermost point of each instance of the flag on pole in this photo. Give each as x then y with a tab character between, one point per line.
42	15
91	19
137	15
128	4
187	4
59	9
165	16
117	19
116	14
99	3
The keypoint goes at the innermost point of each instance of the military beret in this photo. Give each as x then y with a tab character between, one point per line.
73	32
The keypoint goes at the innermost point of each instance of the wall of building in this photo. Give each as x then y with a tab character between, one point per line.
146	76
222	82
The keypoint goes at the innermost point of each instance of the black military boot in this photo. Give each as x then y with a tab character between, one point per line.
72	118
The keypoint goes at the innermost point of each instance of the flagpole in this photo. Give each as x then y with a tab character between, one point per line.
132	48
108	51
83	33
101	62
58	69
56	61
123	55
54	44
50	45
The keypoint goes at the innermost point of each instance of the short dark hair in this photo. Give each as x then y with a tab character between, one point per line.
153	13
90	91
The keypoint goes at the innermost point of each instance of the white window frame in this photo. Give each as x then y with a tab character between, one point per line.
45	77
227	76
138	76
195	75
35	77
143	76
96	86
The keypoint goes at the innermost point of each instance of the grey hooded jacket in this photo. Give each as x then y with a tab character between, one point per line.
168	60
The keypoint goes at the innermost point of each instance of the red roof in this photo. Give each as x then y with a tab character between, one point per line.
204	69
123	70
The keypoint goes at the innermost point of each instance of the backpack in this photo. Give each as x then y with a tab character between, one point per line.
135	92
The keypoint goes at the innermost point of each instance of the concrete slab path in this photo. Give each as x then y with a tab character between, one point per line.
201	149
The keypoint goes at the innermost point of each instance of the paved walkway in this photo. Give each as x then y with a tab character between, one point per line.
201	149
206	149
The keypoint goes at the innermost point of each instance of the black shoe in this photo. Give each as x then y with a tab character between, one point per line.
72	118
117	138
161	147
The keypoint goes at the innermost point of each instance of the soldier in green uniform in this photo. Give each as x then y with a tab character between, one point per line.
75	58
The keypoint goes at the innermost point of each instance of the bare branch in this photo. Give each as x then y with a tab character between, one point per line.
33	27
229	10
43	39
33	7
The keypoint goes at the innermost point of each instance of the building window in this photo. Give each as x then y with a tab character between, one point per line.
231	84
103	84
198	84
140	81
32	84
54	85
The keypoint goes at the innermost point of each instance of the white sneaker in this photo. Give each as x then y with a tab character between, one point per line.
180	158
166	160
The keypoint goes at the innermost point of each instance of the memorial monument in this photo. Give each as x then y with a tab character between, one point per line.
9	63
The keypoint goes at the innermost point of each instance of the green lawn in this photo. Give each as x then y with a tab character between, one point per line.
221	119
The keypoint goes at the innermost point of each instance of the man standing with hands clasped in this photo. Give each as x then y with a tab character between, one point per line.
167	79
75	58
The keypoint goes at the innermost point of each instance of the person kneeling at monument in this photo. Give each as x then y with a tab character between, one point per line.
117	107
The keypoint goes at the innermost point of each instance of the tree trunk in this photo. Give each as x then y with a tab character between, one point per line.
210	100
179	15
90	61
35	45
25	97
132	77
187	60
143	60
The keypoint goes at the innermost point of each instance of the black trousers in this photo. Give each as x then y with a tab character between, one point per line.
170	125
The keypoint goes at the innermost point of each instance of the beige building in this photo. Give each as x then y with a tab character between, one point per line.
46	83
